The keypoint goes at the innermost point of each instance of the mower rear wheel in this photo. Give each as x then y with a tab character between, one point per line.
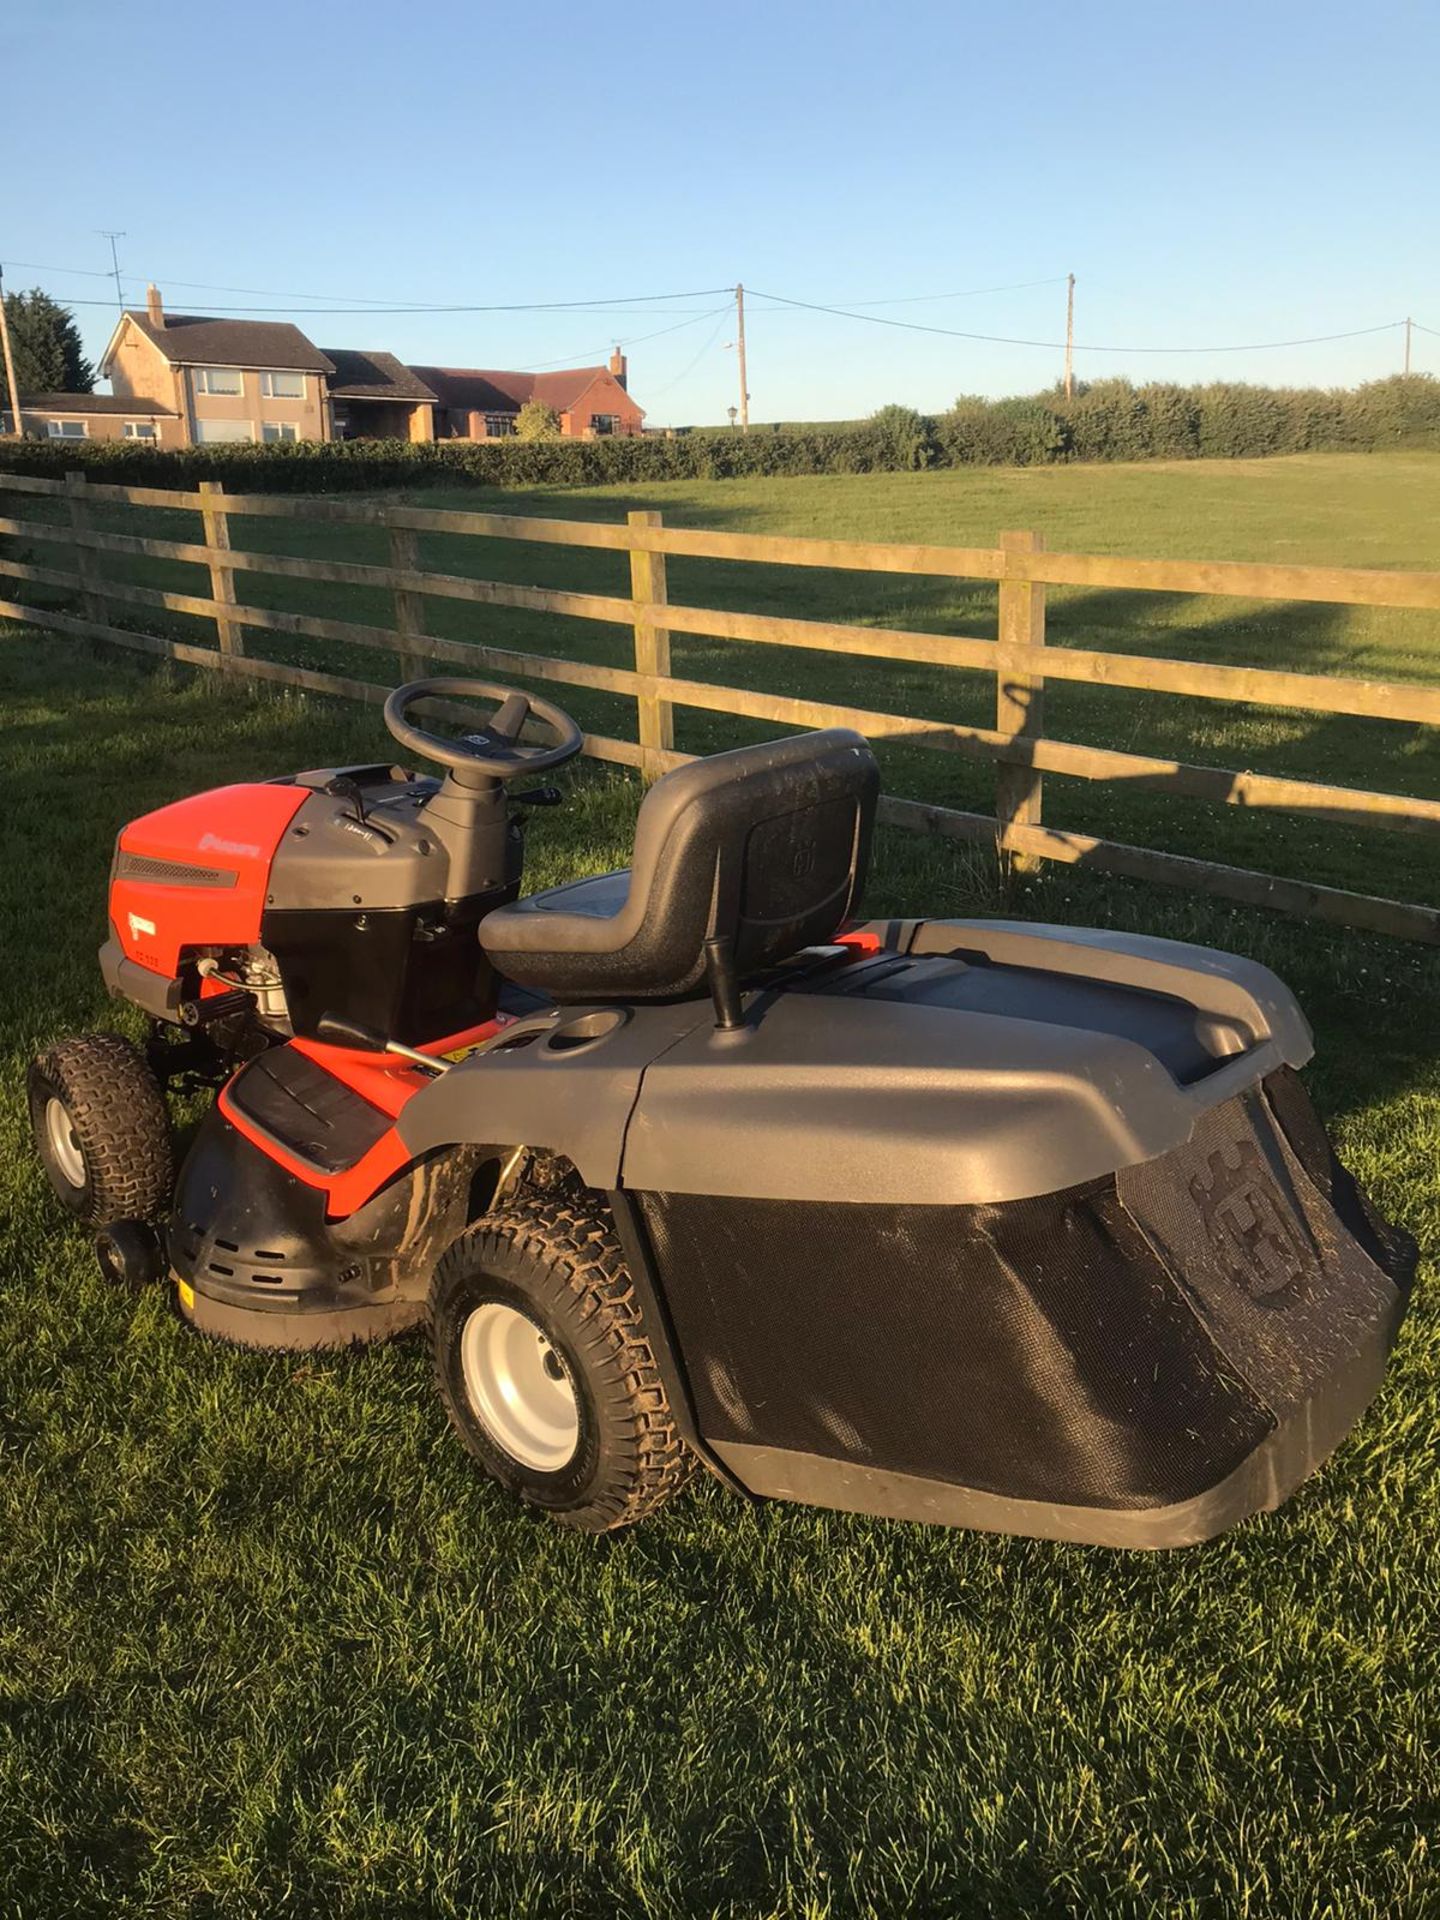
545	1368
101	1129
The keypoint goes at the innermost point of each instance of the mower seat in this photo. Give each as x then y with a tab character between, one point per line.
767	844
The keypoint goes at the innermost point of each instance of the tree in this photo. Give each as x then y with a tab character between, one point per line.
902	438
536	421
46	344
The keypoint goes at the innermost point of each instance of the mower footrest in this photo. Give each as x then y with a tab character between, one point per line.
306	1111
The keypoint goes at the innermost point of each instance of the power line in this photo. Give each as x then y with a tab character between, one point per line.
362	300
376	300
631	340
37	266
204	286
657	393
112	234
1007	340
970	293
618	304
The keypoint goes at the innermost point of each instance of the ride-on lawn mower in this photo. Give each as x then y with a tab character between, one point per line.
1007	1226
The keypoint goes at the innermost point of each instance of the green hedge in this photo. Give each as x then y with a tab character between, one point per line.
1108	420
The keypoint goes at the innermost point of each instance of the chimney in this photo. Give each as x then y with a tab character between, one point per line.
154	310
618	366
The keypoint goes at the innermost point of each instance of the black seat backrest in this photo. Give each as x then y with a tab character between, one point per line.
768	845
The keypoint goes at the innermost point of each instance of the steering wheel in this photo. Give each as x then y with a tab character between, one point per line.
494	749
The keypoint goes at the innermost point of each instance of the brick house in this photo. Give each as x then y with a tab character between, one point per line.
481	404
190	380
374	397
223	379
97	416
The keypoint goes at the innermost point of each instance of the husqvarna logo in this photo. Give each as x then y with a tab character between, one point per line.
212	843
1264	1254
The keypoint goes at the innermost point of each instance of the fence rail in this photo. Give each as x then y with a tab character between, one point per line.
1017	656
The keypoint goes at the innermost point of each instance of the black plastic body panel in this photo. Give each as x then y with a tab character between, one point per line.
253	1239
412	973
940	1079
360	915
1140	1361
947	1077
534	1090
1006	1226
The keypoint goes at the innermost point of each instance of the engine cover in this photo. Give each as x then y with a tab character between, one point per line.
196	873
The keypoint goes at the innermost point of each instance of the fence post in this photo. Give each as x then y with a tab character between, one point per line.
222	575
409	605
87	560
652	648
1019	704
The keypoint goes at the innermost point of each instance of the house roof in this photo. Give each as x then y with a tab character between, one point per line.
363	375
486	390
192	339
93	403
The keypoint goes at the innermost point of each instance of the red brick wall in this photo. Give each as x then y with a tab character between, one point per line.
604	395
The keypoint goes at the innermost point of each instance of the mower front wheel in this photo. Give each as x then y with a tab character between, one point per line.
101	1129
545	1368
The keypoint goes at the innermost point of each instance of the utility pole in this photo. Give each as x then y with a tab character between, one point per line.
1070	337
740	348
19	425
112	235
1409	327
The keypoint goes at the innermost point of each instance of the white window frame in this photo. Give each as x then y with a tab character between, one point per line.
63	429
269	390
204	376
231	433
140	430
279	432
609	430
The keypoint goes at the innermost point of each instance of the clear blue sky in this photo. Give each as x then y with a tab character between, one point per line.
1212	173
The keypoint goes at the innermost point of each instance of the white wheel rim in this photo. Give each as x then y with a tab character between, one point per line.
64	1142
518	1389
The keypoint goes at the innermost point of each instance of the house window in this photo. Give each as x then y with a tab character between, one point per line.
282	386
605	422
278	430
139	430
497	425
218	380
67	429
209	432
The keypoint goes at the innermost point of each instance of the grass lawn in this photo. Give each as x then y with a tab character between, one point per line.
269	1646
1364	510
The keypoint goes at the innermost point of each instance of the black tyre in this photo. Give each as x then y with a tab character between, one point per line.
101	1129
544	1365
129	1255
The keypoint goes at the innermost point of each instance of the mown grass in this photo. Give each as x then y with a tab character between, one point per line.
267	1644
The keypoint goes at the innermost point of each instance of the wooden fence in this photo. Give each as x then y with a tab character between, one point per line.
1017	657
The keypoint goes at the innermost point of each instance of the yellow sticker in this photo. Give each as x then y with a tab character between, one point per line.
187	1295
